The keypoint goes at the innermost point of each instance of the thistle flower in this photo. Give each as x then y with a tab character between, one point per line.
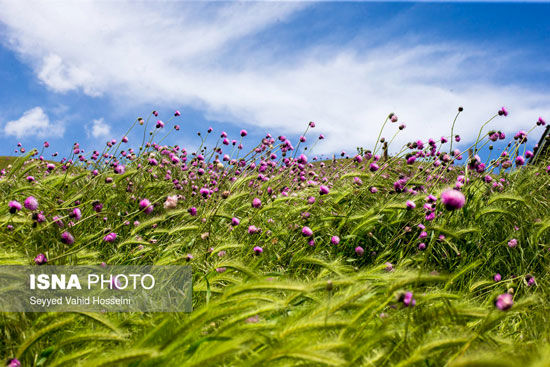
323	190
530	280
67	238
497	277
111	237
244	133
31	203
177	113
389	266
76	214
520	161
307	232
258	250
256	203
422	246
452	199
14	206
40	259
335	240
235	221
146	206
504	301
410	204
359	251
192	211
188	257
512	243
160	124
408	299
503	112
253	229
13	362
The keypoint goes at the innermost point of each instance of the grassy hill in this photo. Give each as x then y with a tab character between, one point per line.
338	264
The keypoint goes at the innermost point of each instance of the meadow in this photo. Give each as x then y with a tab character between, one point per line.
427	257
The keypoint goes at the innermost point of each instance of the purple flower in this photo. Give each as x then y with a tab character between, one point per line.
31	203
67	238
13	362
323	190
235	221
520	161
253	229
389	266
14	206
307	232
111	237
76	213
422	246
335	240
188	257
160	124
192	211
359	251
530	280
408	299
221	270
374	167
453	199
243	133
503	112
504	301
497	277
256	203
512	243
177	113
258	250
40	259
410	204
146	206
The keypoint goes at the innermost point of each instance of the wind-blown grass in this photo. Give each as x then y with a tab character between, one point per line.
303	300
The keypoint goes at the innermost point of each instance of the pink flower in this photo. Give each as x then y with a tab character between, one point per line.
359	251
307	232
453	199
335	240
504	301
503	112
146	206
512	243
111	237
31	203
40	259
258	250
67	238
323	190
14	206
497	277
256	203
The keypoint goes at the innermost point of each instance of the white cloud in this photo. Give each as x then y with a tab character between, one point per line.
99	129
34	122
186	54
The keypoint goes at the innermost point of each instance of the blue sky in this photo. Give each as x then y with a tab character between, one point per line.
84	71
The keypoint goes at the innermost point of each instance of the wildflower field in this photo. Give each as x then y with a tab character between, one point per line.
428	257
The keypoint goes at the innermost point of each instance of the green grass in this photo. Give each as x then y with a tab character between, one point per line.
295	304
